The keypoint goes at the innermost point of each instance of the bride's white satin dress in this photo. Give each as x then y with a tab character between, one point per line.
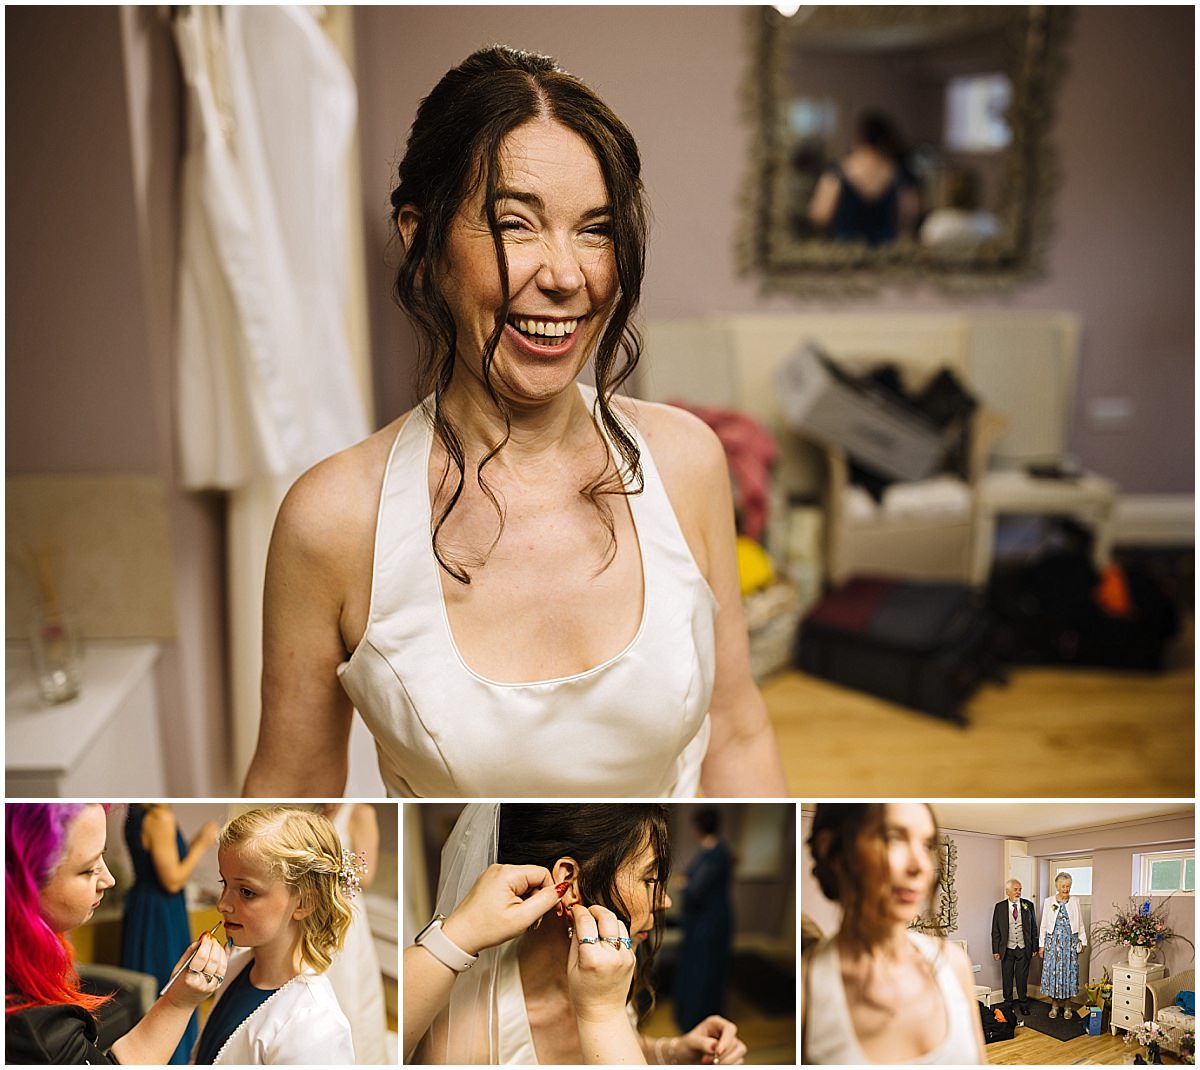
634	726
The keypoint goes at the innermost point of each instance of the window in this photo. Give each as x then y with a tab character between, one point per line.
1078	869
1168	873
976	113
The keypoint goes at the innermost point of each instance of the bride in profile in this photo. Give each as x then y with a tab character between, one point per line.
878	991
543	939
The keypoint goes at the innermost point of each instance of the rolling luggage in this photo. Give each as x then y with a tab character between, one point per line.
922	645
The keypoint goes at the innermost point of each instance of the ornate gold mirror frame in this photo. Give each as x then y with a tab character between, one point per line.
786	259
942	916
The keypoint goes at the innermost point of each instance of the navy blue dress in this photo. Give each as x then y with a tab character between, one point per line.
874	220
156	930
707	937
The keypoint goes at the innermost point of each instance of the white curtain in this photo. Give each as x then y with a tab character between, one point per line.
266	387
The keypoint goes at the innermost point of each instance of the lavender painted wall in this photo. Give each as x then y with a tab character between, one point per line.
1112	850
94	142
1122	253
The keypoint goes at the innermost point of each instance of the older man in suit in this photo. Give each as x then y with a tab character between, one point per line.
1014	942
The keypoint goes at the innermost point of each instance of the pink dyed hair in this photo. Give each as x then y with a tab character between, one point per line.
39	966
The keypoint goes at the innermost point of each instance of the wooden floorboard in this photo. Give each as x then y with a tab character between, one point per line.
1030	1048
1048	732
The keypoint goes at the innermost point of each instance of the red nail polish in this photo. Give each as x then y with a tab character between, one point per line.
560	889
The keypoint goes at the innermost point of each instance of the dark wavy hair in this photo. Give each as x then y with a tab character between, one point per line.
849	852
601	837
454	147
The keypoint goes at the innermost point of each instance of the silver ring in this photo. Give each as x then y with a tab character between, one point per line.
587	939
221	979
615	941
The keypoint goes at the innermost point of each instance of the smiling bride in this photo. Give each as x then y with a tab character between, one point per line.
526	586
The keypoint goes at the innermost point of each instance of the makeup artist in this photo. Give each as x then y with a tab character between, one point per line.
54	879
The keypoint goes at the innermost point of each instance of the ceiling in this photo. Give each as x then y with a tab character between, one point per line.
1026	820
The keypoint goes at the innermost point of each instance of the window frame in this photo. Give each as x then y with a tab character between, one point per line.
1148	858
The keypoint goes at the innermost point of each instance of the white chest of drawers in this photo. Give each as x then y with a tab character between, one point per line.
1129	993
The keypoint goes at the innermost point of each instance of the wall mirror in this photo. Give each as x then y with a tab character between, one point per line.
893	144
942	916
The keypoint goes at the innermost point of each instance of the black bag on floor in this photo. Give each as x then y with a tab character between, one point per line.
922	645
1049	610
998	1023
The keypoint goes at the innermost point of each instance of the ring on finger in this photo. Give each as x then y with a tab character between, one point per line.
588	939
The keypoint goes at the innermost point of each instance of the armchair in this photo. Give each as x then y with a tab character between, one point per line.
1019	364
1162	1006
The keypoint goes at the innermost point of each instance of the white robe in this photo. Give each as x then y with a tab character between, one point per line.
265	384
355	974
300	1025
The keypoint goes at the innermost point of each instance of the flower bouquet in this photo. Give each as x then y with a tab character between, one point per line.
1099	993
1187	1047
1150	1035
1138	925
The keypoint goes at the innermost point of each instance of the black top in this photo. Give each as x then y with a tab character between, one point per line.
54	1033
238	1002
870	219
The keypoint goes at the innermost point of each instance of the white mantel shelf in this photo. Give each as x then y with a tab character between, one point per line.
104	742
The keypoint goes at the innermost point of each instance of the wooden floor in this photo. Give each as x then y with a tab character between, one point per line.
1030	1048
1083	733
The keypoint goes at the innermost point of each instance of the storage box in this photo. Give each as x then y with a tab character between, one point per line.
1095	1022
821	401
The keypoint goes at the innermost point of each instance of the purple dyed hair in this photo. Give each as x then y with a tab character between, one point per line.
38	963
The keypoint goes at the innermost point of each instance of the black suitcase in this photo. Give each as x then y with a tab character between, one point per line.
998	1023
922	645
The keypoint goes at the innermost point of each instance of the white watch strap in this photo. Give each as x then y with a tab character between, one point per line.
442	948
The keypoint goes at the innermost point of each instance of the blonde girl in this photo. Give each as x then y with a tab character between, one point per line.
285	908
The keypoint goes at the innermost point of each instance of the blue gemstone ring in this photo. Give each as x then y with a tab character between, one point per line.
587	939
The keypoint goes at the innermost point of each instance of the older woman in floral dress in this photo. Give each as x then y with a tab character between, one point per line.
1062	938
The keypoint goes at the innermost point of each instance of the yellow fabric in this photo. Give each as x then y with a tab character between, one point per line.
754	566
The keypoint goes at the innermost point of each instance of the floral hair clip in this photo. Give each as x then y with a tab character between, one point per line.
351	873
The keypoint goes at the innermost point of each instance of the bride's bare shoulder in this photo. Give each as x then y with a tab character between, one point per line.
330	511
686	451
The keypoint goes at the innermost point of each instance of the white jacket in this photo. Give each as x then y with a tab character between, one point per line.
1050	916
300	1025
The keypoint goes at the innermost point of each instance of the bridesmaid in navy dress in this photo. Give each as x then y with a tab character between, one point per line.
156	930
704	956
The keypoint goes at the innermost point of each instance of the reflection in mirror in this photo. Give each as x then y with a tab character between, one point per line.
900	142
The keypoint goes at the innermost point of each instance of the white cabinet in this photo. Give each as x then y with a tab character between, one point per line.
1130	993
104	743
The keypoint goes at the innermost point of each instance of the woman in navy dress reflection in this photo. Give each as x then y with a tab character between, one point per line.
704	957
